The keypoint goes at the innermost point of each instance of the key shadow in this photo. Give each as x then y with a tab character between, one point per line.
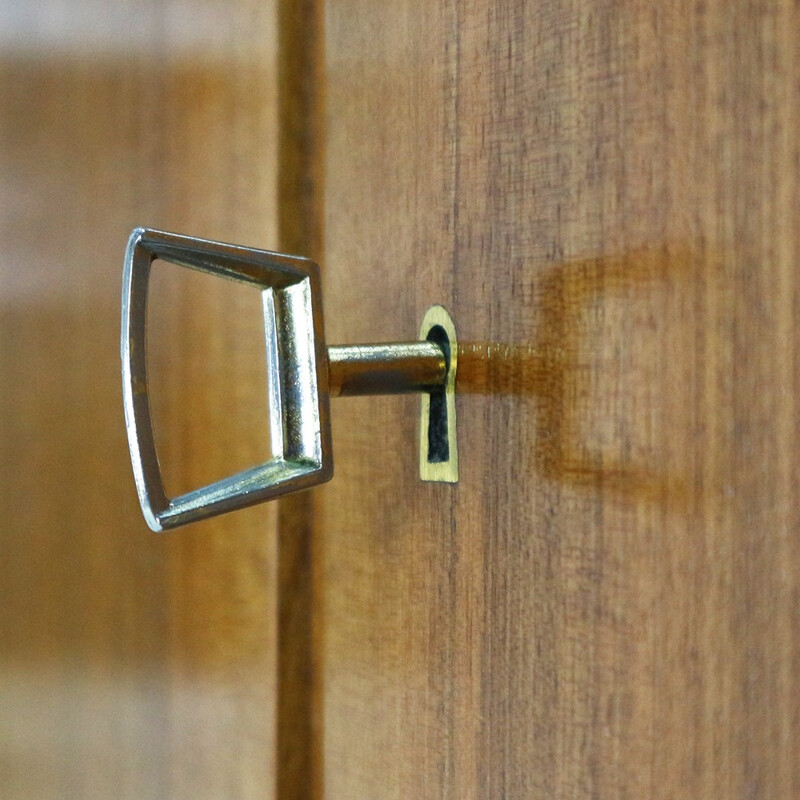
596	368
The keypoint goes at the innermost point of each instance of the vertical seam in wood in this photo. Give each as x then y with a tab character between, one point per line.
300	226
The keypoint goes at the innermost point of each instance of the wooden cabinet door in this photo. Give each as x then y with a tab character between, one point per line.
132	665
604	196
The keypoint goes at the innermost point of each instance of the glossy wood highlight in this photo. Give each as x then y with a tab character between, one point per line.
132	665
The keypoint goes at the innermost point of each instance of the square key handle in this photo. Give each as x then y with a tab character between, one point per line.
297	370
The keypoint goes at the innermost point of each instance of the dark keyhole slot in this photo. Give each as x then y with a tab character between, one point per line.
438	443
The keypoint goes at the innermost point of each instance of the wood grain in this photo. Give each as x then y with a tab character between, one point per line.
604	196
301	139
131	665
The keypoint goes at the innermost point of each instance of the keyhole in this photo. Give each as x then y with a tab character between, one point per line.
438	439
438	445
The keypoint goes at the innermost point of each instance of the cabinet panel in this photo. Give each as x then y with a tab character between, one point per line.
131	665
607	603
